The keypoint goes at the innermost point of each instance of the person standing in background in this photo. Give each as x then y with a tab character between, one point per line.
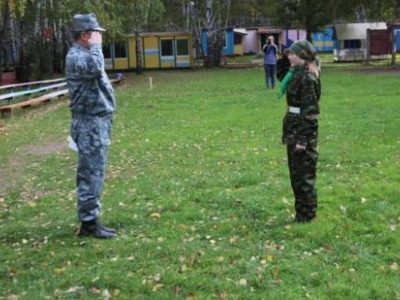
92	108
270	58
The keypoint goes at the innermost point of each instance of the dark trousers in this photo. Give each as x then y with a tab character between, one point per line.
92	136
270	74
302	170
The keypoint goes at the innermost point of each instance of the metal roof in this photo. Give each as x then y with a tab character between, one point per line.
356	31
269	30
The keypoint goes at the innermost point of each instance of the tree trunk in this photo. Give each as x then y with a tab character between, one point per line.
139	64
2	54
309	35
58	57
28	66
210	63
4	18
397	10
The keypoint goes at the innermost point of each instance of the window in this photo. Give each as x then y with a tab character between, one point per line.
225	40
167	48
106	51
120	50
182	47
352	44
237	39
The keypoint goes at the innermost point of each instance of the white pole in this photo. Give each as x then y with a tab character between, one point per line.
151	82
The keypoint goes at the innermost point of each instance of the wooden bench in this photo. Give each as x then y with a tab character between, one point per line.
7	110
28	85
13	95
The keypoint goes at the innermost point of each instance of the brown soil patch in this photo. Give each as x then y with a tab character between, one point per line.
12	172
47	148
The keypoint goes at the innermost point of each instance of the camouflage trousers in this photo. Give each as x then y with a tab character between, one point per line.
302	170
92	136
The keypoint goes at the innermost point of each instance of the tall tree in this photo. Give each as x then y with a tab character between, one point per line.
310	15
10	10
253	13
214	17
396	6
4	18
138	16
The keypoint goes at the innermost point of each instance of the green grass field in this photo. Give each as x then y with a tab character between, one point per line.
197	186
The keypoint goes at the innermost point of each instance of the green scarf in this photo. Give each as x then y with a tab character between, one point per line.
284	82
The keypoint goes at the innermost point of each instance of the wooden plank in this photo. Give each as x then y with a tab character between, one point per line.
7	110
23	93
28	84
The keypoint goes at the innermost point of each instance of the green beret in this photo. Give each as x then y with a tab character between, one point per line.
303	49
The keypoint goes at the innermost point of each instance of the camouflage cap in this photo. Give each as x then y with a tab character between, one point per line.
86	23
303	49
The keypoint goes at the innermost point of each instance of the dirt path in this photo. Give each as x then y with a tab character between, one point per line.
13	171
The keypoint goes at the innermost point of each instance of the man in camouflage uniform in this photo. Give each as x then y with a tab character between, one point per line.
92	106
300	127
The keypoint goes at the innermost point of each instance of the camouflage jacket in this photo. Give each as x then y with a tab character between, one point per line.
302	95
90	89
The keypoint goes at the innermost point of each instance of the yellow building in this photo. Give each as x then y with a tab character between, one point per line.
159	50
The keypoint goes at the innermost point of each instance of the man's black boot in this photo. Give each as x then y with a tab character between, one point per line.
97	230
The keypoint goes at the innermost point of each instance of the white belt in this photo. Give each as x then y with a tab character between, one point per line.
294	110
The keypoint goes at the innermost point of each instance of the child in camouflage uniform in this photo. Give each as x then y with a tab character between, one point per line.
300	127
92	107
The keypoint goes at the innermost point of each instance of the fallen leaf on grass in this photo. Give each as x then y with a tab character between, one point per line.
57	293
234	239
155	216
243	282
106	295
74	289
12	273
59	271
96	291
157	277
223	296
183	269
157	287
263	262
